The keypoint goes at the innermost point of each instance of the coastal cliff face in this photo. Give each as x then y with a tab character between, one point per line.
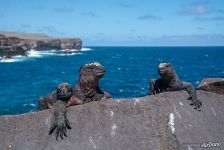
48	44
11	46
58	44
165	121
71	43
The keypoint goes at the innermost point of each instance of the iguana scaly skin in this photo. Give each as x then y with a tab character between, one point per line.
169	81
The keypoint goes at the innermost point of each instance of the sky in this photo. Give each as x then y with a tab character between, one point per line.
119	22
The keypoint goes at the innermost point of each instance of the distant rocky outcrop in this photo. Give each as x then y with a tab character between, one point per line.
11	46
212	84
58	44
48	44
160	122
71	44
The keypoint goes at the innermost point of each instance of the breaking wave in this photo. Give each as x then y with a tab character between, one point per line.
86	49
38	54
8	60
12	59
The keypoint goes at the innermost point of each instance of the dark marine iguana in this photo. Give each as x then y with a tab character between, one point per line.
87	89
169	81
58	100
64	92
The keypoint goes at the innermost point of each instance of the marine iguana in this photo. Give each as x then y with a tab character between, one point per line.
57	100
169	81
63	92
87	90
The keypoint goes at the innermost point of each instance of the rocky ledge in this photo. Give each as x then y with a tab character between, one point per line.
13	45
165	121
212	84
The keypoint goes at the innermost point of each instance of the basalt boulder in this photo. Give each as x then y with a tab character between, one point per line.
164	121
213	85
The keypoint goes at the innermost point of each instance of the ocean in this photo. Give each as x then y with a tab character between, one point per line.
128	70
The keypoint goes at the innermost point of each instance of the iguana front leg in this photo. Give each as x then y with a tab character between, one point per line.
152	85
44	103
156	87
192	95
60	121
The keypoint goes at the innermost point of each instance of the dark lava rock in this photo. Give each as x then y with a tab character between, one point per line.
11	46
212	84
162	122
59	44
71	44
48	44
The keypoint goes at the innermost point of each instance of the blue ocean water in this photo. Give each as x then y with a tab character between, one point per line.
128	71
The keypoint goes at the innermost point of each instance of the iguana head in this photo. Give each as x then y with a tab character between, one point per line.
89	77
166	69
95	69
64	91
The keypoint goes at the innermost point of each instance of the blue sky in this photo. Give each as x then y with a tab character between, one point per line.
119	22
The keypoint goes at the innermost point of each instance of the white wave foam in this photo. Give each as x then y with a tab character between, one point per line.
86	49
51	52
33	53
69	50
38	54
29	104
68	54
18	56
12	59
7	60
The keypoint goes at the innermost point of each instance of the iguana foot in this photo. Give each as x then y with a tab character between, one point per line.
60	122
197	104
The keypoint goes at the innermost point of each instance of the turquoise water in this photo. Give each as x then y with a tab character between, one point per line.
129	69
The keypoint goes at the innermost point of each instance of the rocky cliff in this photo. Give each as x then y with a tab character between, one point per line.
162	122
11	45
58	44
